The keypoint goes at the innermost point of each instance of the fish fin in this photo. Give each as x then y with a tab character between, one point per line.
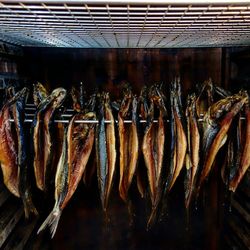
51	222
29	208
152	218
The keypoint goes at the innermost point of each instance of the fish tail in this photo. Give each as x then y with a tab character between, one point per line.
152	218
29	208
51	222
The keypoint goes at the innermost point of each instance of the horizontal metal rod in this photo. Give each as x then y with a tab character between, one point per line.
106	121
131	1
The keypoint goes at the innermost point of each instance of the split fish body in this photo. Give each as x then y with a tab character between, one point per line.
153	150
244	161
77	146
129	144
9	146
24	168
221	136
193	148
41	134
105	150
178	135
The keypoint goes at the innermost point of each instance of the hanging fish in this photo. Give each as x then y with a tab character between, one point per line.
193	148
244	162
39	93
216	133
153	150
42	142
105	149
23	165
91	166
141	176
178	136
77	145
233	151
9	147
129	143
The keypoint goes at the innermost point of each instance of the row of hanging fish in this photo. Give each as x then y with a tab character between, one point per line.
174	138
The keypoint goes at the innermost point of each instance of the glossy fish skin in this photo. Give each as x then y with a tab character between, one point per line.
245	157
193	148
105	150
153	151
140	173
24	172
221	136
9	147
41	134
178	136
77	146
39	93
129	144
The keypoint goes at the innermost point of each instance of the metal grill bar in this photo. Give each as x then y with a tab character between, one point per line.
126	24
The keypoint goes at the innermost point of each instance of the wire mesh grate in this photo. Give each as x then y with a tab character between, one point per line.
135	25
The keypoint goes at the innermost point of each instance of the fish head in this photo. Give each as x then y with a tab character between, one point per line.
57	97
221	107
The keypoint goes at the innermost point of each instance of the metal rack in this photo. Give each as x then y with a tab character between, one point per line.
125	24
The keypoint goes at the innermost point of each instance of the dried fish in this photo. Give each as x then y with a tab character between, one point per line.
245	156
129	143
193	148
231	105
23	166
77	146
105	149
41	134
178	136
153	150
9	146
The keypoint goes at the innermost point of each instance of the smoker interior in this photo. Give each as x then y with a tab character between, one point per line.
219	220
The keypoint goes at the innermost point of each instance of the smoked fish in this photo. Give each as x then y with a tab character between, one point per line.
141	177
9	146
178	136
77	146
24	187
153	150
245	155
129	143
41	134
105	149
225	109
193	149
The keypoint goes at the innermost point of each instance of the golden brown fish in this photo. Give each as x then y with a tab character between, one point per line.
178	136
218	138
41	134
245	155
153	150
9	147
129	143
77	146
193	147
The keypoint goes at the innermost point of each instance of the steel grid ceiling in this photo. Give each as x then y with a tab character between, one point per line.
117	24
